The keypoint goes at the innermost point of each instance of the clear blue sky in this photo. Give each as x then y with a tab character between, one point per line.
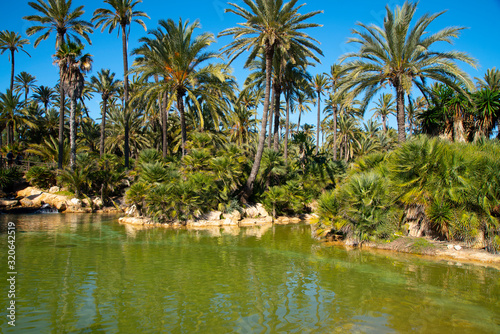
481	40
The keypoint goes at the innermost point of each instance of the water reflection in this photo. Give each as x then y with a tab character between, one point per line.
86	273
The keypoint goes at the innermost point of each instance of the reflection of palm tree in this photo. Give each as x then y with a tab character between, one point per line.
122	14
402	56
13	42
255	35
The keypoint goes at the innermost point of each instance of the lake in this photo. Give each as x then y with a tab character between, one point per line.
85	273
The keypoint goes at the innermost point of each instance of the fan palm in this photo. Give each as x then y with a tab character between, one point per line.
13	42
105	84
73	64
402	56
269	25
56	16
122	14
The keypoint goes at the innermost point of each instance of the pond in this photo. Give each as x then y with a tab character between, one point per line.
83	273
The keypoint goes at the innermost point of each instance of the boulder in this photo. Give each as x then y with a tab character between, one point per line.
132	211
213	215
5	202
29	191
27	203
134	220
97	203
256	211
54	189
75	202
56	201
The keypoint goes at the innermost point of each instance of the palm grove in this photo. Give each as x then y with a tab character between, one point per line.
179	137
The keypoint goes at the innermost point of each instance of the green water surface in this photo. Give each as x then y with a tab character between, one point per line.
88	274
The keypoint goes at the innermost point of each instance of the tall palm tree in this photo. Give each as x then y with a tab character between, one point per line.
10	113
334	77
491	80
177	56
302	101
402	56
24	81
269	25
13	42
56	16
73	64
44	95
107	86
384	107
319	84
122	14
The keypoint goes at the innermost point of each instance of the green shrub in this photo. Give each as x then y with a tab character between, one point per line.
8	177
41	177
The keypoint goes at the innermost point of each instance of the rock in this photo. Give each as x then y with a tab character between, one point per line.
54	189
5	202
449	246
29	191
134	220
2	194
75	202
132	211
26	203
233	217
213	215
256	211
457	247
97	203
56	201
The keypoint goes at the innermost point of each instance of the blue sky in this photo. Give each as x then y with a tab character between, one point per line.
481	40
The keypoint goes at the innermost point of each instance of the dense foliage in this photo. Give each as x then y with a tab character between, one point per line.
426	187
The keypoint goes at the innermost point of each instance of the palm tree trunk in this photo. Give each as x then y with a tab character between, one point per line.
103	126
334	132
298	123
12	72
262	136
287	125
164	117
61	122
277	97
319	121
384	123
271	116
125	95
400	99
72	134
180	106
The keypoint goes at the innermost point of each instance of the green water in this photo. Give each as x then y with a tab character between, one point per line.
88	274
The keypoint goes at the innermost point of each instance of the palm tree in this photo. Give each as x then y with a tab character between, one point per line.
491	80
107	86
56	16
334	77
73	64
383	108
122	14
303	100
402	56
177	56
13	42
319	84
268	26
45	95
24	81
10	113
